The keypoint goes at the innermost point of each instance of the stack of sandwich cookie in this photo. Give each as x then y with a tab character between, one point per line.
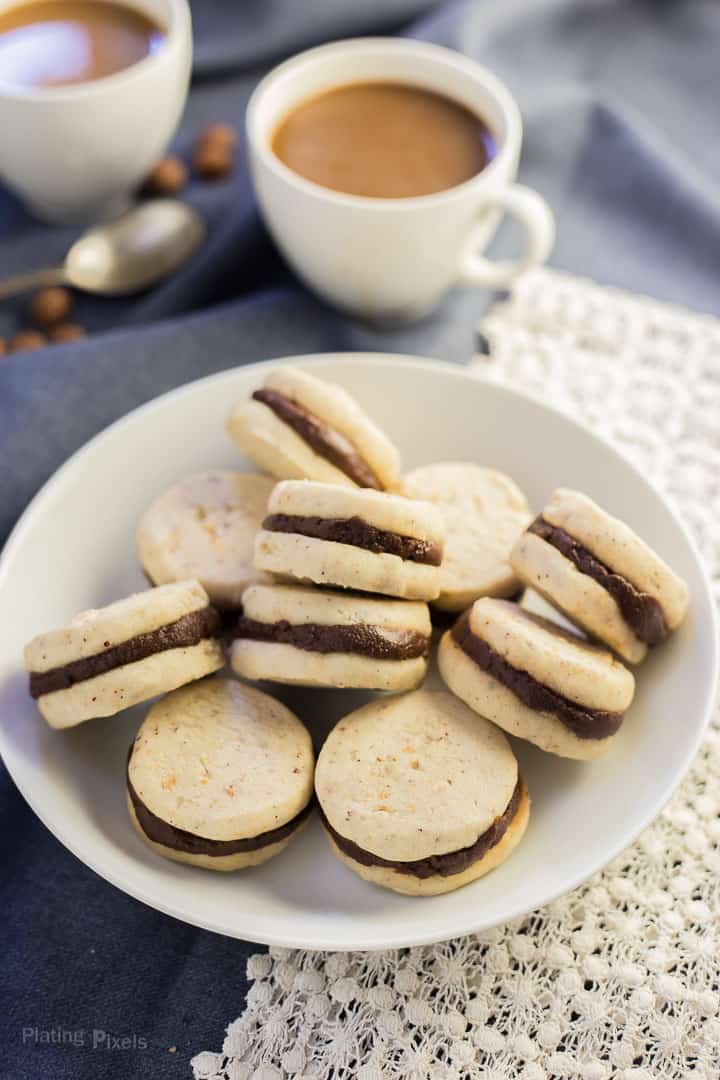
535	680
204	528
358	539
600	574
485	512
220	776
298	426
106	660
420	795
322	637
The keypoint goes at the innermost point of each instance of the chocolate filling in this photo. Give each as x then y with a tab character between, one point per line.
584	722
161	832
188	630
378	642
450	862
641	612
357	532
323	439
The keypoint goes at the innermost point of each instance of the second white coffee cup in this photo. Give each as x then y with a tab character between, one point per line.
394	259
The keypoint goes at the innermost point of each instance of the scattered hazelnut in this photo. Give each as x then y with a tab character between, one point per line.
213	161
217	135
167	177
66	332
27	339
51	305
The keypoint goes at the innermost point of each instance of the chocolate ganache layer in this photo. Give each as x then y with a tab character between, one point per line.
641	612
161	832
450	862
321	437
358	533
377	642
584	722
188	630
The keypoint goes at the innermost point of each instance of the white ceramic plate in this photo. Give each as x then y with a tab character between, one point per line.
74	548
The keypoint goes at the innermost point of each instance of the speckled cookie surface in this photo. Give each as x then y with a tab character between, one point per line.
485	512
616	545
79	654
410	885
97	629
131	684
312	637
569	665
580	673
204	527
309	505
414	775
265	434
489	698
394	513
222	761
582	598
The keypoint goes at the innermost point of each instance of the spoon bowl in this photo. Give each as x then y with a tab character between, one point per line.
139	249
124	256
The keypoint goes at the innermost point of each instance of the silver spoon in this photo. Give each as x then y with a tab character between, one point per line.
126	255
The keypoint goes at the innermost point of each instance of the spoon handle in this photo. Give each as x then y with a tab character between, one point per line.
32	280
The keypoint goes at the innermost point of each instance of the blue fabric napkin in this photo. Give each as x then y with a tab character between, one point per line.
620	106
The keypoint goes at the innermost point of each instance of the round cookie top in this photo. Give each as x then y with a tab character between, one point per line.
586	674
204	527
300	605
485	512
222	760
92	632
415	775
393	513
622	550
332	404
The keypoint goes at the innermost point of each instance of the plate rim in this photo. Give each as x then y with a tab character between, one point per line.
377	359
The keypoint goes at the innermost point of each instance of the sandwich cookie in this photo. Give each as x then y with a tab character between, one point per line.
318	637
219	776
367	540
600	574
298	426
485	512
106	660
420	795
535	680
204	528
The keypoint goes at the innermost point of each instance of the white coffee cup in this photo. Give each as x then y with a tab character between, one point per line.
76	152
393	259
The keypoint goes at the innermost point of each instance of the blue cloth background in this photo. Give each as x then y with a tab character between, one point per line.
620	100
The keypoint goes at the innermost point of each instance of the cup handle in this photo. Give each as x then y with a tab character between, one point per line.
530	209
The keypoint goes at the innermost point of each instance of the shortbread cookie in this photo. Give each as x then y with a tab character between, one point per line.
106	660
204	528
535	680
219	776
485	512
601	575
366	540
321	637
297	426
420	795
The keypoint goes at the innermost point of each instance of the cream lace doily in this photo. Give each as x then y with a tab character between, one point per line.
620	979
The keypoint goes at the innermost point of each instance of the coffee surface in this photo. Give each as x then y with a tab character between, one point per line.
383	140
60	42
